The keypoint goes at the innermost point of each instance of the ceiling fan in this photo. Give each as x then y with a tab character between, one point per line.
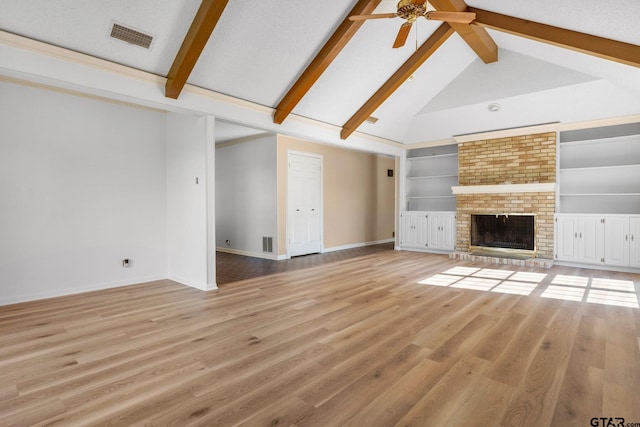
410	10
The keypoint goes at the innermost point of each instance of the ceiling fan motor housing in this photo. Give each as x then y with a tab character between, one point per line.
412	9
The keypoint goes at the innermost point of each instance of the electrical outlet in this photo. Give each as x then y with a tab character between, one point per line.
126	262
228	242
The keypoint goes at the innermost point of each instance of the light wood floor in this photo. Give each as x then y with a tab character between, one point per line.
359	342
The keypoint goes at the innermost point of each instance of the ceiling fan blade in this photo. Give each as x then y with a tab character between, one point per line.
376	16
458	17
401	38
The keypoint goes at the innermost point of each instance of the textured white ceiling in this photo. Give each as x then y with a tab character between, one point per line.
514	74
259	48
617	20
84	25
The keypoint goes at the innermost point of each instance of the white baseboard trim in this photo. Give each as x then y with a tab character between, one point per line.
621	269
72	291
426	251
198	285
262	255
356	245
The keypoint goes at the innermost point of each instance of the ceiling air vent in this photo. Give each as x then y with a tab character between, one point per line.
131	36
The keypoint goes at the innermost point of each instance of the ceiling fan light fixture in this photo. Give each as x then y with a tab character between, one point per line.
494	107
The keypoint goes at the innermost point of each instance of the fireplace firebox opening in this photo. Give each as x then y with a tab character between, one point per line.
510	234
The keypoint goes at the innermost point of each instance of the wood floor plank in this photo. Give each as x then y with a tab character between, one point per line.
362	340
338	409
581	393
621	357
393	403
534	403
621	401
440	403
520	351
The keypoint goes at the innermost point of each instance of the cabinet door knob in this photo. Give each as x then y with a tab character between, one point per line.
575	235
626	237
581	235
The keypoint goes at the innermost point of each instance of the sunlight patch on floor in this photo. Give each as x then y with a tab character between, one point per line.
476	283
613	284
493	274
623	299
440	280
594	290
516	288
563	279
567	293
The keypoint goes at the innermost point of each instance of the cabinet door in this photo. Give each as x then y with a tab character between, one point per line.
434	222
413	230
449	231
616	241
441	233
408	232
634	241
422	225
566	238
590	239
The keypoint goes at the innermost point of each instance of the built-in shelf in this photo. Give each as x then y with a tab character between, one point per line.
432	172
432	156
600	174
599	194
596	168
431	197
433	176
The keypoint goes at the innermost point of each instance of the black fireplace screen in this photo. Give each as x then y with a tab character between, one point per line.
503	231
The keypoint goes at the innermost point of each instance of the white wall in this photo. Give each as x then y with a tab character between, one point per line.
82	186
190	192
246	196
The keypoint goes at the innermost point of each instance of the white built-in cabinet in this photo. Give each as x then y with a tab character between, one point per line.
428	230
611	240
429	221
598	219
634	245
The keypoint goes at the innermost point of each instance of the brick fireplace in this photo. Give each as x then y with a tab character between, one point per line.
511	175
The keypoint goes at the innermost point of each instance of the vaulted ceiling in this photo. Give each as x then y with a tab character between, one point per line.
568	61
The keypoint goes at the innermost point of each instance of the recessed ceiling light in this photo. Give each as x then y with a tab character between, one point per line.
494	107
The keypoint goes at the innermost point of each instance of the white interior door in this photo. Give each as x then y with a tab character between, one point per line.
304	204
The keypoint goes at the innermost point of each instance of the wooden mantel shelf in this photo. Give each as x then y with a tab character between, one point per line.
504	188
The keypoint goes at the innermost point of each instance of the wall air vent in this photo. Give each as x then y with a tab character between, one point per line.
267	244
131	36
